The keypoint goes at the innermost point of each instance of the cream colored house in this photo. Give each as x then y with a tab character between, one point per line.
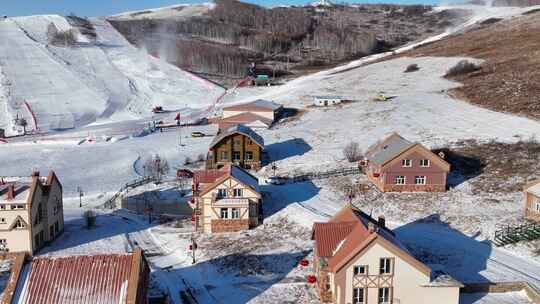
359	261
31	212
532	200
226	200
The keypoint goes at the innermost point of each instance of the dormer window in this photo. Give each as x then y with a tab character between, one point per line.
406	163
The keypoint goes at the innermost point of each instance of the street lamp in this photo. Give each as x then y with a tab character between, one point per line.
81	193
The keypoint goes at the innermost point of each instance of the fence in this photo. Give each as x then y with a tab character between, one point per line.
111	202
514	234
326	174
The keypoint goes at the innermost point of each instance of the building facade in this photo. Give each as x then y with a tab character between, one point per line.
531	193
238	145
358	260
326	101
398	165
226	200
31	212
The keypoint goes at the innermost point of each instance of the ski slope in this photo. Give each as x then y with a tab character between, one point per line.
106	79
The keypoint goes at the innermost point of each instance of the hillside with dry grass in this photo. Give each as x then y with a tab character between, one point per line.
509	79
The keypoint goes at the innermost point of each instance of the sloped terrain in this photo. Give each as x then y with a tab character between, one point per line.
222	40
508	80
90	73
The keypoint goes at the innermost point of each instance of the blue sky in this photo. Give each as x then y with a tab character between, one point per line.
109	7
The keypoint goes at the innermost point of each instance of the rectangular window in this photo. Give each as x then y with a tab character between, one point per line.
537	206
237	192
424	163
14	207
400	180
249	142
3	245
360	270
235	213
420	180
221	193
384	295
249	155
406	163
224	155
236	155
237	142
224	212
385	266
358	296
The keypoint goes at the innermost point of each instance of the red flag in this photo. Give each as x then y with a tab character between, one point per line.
177	116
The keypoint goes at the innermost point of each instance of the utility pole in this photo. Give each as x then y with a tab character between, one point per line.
79	189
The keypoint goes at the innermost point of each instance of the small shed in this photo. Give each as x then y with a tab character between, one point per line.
325	101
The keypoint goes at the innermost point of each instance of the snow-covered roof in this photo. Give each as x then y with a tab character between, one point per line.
257	105
242	129
244	177
534	189
327	97
387	149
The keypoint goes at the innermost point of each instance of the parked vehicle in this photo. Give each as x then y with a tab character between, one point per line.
158	109
275	180
185	173
197	134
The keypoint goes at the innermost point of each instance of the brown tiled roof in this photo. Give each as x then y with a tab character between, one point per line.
329	235
77	279
347	233
207	176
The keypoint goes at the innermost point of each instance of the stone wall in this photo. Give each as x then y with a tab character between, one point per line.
414	188
223	225
503	287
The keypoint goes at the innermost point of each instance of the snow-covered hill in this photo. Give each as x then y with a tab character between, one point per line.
105	78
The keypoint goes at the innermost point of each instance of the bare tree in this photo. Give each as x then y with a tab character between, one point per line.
201	157
188	161
156	167
352	152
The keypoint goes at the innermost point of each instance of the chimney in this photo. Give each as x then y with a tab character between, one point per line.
382	221
35	173
10	191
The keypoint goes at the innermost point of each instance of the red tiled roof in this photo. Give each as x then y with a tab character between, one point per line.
207	176
78	280
329	235
346	232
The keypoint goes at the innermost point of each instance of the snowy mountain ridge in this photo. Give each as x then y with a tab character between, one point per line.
99	79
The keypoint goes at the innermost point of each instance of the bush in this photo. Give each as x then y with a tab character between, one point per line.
412	68
61	38
89	218
352	152
156	167
461	68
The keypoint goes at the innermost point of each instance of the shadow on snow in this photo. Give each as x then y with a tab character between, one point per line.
289	148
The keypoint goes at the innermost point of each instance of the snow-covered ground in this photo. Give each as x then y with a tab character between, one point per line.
103	80
421	111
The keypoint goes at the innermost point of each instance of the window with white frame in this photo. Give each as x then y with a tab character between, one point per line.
420	180
400	180
358	296
406	163
536	205
384	295
236	155
221	193
360	270
424	163
3	244
237	192
249	155
224	155
385	266
224	213
235	213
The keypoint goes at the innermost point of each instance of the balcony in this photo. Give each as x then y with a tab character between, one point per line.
230	201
